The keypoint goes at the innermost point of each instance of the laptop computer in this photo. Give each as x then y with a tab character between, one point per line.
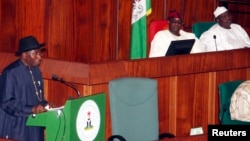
179	47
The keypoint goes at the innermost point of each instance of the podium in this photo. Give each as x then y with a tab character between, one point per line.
79	119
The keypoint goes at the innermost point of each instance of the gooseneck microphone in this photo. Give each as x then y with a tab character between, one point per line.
54	77
215	42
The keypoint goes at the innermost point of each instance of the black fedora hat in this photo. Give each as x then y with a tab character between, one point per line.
28	43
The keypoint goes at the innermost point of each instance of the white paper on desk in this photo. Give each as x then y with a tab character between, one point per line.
54	109
196	131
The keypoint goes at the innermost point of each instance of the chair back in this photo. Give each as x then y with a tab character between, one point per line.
226	91
200	27
156	26
134	108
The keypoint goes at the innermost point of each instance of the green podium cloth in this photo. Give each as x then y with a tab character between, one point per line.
79	119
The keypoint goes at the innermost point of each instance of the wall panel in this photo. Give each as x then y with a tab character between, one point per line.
88	31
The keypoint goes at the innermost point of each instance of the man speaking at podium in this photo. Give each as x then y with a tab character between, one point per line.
22	93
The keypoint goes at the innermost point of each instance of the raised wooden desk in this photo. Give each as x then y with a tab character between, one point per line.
187	84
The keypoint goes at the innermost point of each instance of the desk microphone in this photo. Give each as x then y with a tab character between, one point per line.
54	77
215	41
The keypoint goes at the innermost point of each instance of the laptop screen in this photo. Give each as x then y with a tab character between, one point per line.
179	47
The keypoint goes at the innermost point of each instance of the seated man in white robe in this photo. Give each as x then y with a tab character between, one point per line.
224	35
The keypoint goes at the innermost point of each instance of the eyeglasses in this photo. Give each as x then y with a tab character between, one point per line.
174	21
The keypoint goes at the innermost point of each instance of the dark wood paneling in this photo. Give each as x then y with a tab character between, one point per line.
91	31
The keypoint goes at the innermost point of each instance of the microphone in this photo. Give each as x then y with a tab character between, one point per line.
54	77
215	42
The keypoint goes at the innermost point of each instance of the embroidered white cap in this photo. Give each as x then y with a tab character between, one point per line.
219	10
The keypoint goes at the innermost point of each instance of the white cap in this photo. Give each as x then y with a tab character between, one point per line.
219	10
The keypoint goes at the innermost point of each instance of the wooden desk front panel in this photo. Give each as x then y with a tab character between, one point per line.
187	85
188	101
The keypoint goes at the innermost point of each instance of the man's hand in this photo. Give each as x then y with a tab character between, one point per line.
38	109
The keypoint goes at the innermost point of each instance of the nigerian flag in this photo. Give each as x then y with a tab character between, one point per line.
138	45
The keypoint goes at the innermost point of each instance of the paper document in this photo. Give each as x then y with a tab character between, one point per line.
54	109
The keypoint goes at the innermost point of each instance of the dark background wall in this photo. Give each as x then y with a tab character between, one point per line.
93	30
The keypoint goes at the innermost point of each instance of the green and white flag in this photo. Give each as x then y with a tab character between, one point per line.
138	45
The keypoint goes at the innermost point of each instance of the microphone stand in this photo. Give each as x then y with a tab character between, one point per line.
215	42
54	77
71	85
